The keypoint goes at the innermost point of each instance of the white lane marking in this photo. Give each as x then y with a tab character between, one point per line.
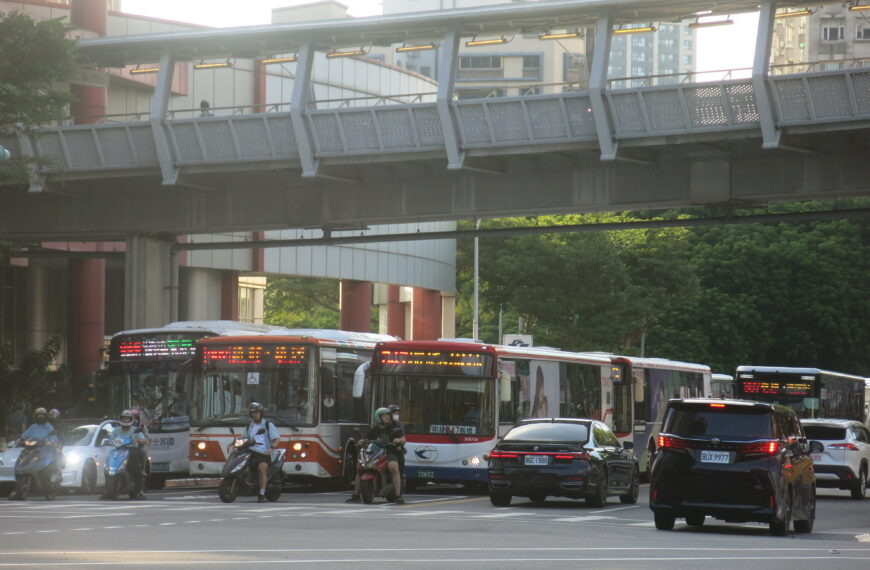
167	524
48	530
457	549
863	537
583	519
190	522
428	513
341	513
215	520
85	528
612	509
503	515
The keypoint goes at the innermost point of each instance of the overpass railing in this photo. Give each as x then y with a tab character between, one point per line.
814	99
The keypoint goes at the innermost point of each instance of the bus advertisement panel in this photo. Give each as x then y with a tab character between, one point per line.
149	370
811	392
303	377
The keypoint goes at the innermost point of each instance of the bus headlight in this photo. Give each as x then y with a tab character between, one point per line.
297	446
201	446
474	461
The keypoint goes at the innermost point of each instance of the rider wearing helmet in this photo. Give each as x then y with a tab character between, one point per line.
43	431
266	442
54	417
385	429
137	457
394	415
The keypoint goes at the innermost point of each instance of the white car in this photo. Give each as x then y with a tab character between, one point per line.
84	457
845	461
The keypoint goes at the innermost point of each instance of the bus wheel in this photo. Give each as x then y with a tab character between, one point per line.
367	491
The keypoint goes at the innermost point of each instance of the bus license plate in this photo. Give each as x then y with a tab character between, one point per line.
426	474
160	466
715	457
536	460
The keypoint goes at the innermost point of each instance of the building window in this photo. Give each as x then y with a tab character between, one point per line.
862	32
834	31
687	44
534	90
687	60
638	41
480	62
246	305
638	56
531	62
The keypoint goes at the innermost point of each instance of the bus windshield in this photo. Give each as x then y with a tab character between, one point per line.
233	377
156	389
442	405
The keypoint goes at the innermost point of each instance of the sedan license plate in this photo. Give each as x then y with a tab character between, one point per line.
536	460
715	457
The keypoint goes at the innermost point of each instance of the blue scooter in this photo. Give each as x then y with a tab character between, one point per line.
30	477
119	479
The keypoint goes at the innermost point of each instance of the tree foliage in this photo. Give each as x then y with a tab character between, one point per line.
34	381
302	302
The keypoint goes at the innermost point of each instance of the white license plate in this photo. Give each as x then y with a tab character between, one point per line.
536	460
715	457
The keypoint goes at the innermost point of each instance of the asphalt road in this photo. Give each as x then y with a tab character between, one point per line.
437	528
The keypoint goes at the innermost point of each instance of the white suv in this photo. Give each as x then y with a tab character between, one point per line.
845	461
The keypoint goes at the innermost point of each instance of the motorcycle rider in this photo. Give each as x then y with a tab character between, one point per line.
266	442
135	467
139	424
388	430
54	418
42	430
394	414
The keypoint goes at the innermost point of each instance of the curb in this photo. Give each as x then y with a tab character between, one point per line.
193	482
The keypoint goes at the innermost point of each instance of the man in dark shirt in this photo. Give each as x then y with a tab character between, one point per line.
386	431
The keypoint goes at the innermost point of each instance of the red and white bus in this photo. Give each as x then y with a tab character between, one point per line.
151	370
304	378
457	398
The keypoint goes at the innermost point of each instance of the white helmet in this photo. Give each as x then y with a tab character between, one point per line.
126	418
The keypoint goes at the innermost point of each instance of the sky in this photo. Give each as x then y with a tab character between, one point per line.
722	47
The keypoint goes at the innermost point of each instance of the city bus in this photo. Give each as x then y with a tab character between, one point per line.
150	370
722	386
304	378
811	392
458	397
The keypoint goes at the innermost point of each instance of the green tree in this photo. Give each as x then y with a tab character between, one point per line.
34	380
302	302
35	57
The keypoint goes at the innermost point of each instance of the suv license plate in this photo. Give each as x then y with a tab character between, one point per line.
536	460
715	457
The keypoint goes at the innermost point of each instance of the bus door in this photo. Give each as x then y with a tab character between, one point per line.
623	402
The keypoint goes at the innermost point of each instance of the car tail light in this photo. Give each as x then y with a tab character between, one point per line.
847	446
670	442
717	405
498	454
760	448
572	456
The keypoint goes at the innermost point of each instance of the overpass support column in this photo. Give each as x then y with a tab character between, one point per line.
444	100
87	317
598	87
157	118
298	102
770	134
356	305
395	312
149	282
426	314
230	295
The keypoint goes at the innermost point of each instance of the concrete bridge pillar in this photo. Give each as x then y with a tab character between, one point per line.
150	283
426	314
356	305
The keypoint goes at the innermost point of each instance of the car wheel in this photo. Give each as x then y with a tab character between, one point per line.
538	498
500	499
89	479
664	522
780	526
695	520
859	487
806	526
599	498
634	490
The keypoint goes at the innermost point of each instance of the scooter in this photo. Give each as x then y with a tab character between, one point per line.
240	478
119	479
374	474
30	477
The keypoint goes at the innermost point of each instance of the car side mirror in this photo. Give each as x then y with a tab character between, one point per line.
104	442
628	445
816	447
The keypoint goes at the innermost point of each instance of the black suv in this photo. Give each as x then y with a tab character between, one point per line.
733	460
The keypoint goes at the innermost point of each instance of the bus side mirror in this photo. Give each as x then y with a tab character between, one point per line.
359	379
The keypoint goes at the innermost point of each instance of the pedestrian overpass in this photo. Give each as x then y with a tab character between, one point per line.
791	134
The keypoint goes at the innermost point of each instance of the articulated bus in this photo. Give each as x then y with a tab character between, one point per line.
150	370
810	392
457	398
304	378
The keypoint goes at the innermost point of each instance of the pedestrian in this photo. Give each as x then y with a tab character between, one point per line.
205	109
16	422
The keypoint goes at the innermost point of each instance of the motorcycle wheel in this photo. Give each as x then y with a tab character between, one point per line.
228	490
273	492
367	491
112	484
22	487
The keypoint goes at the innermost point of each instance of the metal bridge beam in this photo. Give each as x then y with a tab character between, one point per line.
298	102
598	86
157	118
444	100
760	68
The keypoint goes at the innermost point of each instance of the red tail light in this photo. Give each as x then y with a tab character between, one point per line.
847	446
760	448
498	454
570	456
670	442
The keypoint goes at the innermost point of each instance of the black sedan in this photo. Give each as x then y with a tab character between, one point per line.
562	457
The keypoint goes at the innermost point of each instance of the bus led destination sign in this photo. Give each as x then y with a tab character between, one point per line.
268	355
141	348
777	388
455	363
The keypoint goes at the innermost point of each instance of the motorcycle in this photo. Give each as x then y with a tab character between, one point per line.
119	479
30	477
240	478
374	474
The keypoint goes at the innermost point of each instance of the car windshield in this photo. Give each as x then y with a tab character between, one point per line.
549	432
78	436
825	432
729	422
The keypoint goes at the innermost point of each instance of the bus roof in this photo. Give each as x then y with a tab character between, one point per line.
333	334
794	370
499	349
221	328
722	377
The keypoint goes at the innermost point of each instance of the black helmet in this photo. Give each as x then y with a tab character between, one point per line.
256	407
